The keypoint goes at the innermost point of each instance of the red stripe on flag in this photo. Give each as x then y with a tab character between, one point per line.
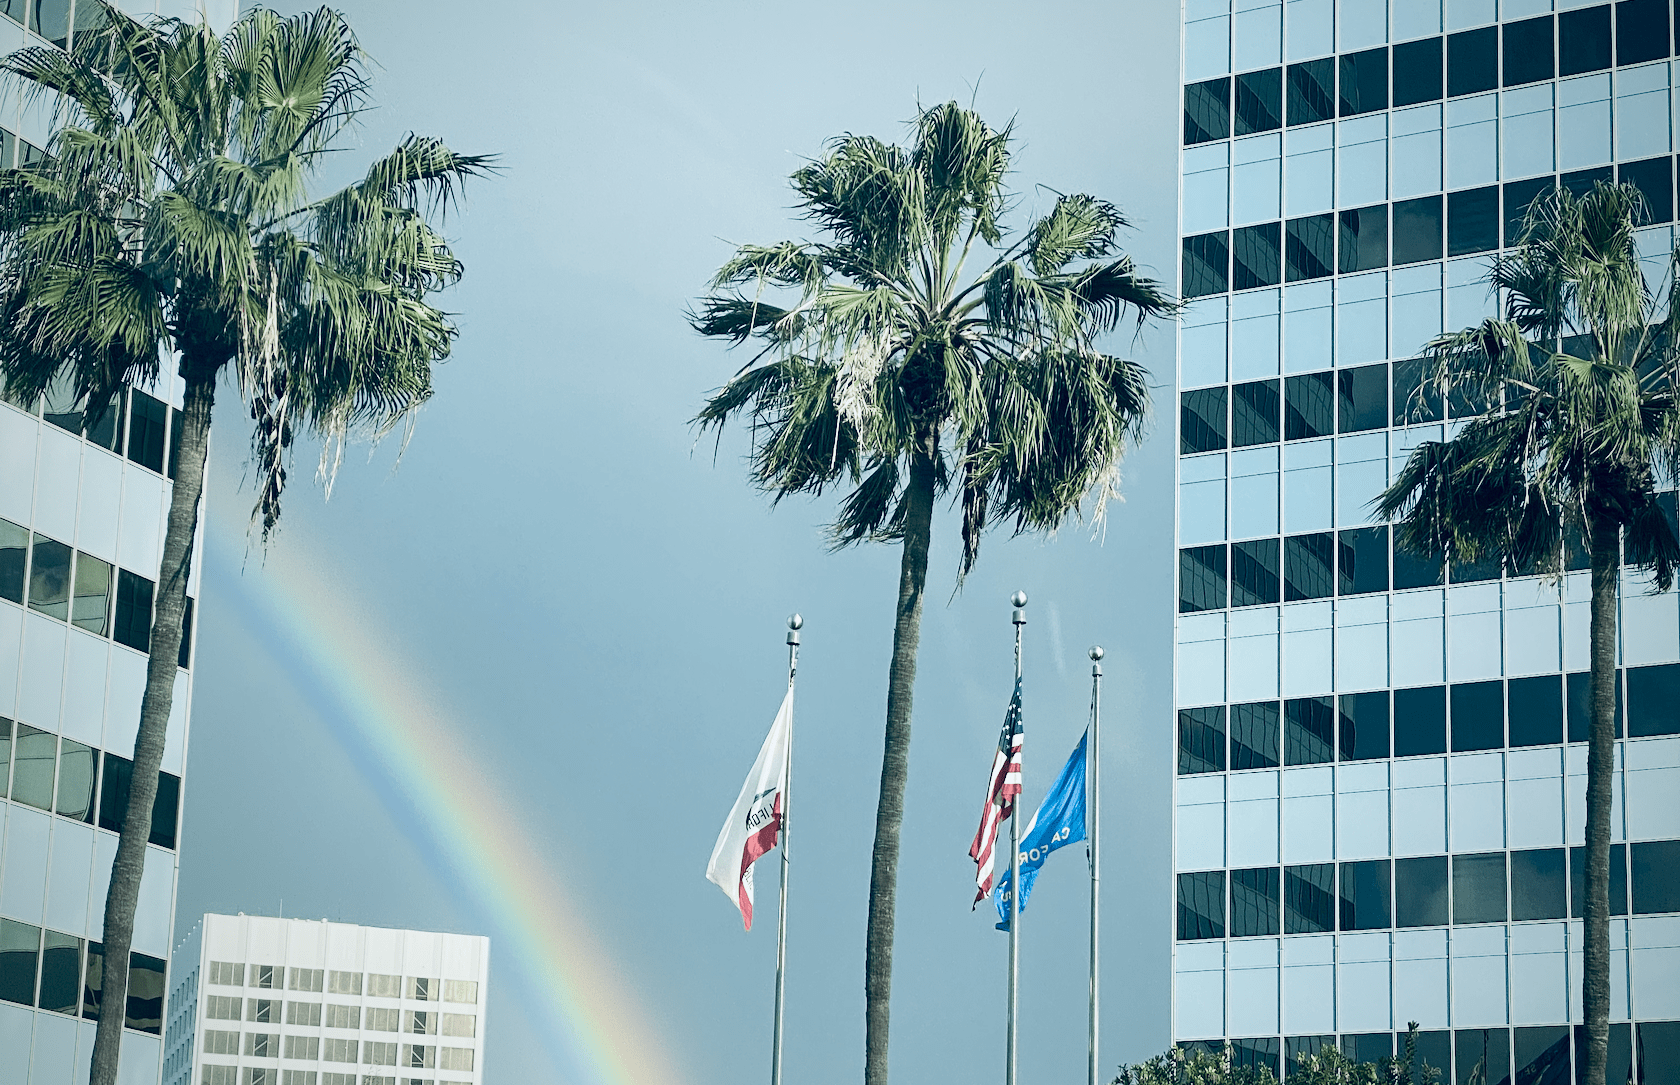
757	844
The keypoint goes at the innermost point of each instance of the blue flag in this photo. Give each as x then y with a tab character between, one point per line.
1060	821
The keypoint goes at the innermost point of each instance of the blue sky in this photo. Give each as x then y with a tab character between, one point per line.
598	599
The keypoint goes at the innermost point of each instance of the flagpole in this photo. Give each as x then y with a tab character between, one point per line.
1093	767
794	624
1019	599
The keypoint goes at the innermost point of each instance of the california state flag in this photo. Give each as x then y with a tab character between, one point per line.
757	817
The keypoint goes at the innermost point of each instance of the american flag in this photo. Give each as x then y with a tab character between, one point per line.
1001	791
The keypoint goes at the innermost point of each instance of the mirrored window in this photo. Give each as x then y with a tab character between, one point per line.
1309	898
1584	40
33	762
1420	891
1473	221
1368	1048
1417	230
133	625
1577	702
1254	572
1528	51
1256	256
1659	1050
5	756
1362	238
1254	902
1654	178
1311	91
1207	111
1478	716
1259	101
1412	570
145	994
1363	85
106	428
1256	1055
76	766
1207	260
14	559
1656	876
1420	721
1484	1056
61	972
1255	735
49	578
1309	248
1478	891
1363	726
1472	61
1201	905
58	403
1417	72
1201	740
1201	578
1518	196
1581	182
20	958
1309	408
1537	884
1308	567
1653	695
1254	413
1364	896
148	426
1415	399
1362	396
1542	1054
1536	707
1641	31
1309	731
90	607
1202	420
1578	881
93	981
1362	564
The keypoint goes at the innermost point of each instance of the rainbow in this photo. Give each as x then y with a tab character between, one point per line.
396	733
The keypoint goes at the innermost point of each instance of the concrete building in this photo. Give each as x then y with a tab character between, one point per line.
260	1001
1379	800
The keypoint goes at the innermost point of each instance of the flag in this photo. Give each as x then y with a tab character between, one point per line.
756	820
1001	791
1060	821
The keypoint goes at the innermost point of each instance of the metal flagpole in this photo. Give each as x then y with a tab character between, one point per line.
1093	768
794	624
1019	599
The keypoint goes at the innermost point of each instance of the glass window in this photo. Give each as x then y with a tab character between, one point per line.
5	755
1581	182
1656	876
305	979
1364	896
1528	51
306	1048
303	1013
1537	884
1311	91
1201	905
1202	420
1364	726
1420	721
1254	735
20	956
1363	561
14	558
1420	891
1536	709
1362	395
93	982
108	428
1641	31
1308	567
148	424
113	800
1415	400
1416	571
1578	705
1201	578
383	986
227	974
1309	406
1417	72
1654	178
183	658
1309	731
1254	573
133	625
455	1058
1653	694
1364	81
175	417
1363	238
1484	1056
1256	1055
465	991
1369	1048
166	810
344	1016
1206	264
1207	111
264	1011
1256	256
1659	1050
262	1045
1295	1047
90	607
32	772
1472	61
145	994
1254	413
1201	740
1478	716
1254	902
1309	898
1471	572
1618	1062
76	767
458	1024
344	983
1259	101
1518	196
381	1019
1309	248
1578	881
1542	1055
1473	220
1583	40
266	976
49	578
1417	230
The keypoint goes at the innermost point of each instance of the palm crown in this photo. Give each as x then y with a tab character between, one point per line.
885	350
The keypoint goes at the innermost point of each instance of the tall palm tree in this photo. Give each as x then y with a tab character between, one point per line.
1582	375
894	371
173	214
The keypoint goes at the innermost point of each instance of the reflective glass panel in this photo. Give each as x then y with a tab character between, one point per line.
1202	420
1417	72
1309	248
1363	725
1254	902
1618	1063
1484	1056
1254	735
133	625
1259	101
1417	230
147	428
1420	891
1536	710
1254	413
1201	578
1309	898
1581	182
1363	238
1364	81
1578	705
33	763
1659	1050
1653	695
166	809
1364	896
1201	740
49	578
107	429
1433	1051
1294	1047
1471	572
1309	406
1578	881
1479	888
1311	91
1414	571
1201	905
14	557
61	973
1420	721
1207	259
1641	31
1368	1048
5	755
1256	256
1537	884
145	994
1656	876
20	956
1472	61
1362	396
1362	565
1478	716
1654	178
1254	572
1256	1055
1415	401
1308	567
1473	220
1518	196
75	780
1584	40
91	606
93	981
1309	731
1542	1055
1528	51
1207	111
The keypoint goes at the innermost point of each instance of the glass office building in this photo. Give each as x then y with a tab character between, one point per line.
1379	799
83	504
263	1001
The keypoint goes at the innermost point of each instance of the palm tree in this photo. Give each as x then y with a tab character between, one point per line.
172	213
894	372
1582	374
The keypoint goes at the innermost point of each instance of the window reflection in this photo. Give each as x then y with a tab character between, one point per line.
14	558
5	755
1473	220
1201	905
75	781
32	774
1542	1055
1207	111
1578	705
1484	1056
1206	264
145	994
1256	257
1478	716
1309	406
1578	881
1641	31
1364	896
1518	196
1309	731
1472	61
1653	694
1420	721
1201	578
1259	101
1478	890
148	427
20	951
1417	230
1528	51
1537	884
1656	876
1256	1055
133	625
49	578
1309	898
1201	740
93	981
90	607
1255	735
1584	40
1420	891
1254	413
1655	180
1362	564
61	973
1362	395
1417	72
1363	730
1311	91
1308	567
1254	902
1536	710
1364	81
1254	572
1309	248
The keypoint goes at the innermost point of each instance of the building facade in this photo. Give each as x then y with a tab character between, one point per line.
1379	799
261	1001
83	504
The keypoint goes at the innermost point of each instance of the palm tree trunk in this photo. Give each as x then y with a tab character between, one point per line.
895	760
1601	747
161	665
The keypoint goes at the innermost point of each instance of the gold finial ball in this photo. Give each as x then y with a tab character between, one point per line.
1019	599
796	622
1096	653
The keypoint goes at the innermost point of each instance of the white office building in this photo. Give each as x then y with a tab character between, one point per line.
1379	798
262	1001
